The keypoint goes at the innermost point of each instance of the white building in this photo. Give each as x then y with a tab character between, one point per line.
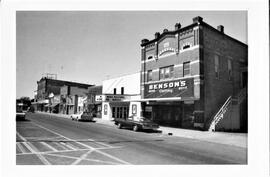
119	95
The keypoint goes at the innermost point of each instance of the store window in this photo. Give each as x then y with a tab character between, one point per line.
217	63
166	72
186	69
149	75
230	69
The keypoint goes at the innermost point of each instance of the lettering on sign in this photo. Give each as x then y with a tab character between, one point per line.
183	88
114	98
168	49
175	84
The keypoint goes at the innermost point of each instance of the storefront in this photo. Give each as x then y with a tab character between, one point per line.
171	103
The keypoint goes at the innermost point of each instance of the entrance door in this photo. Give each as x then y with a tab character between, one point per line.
119	112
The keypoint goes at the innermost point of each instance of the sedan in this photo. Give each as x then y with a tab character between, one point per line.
136	123
86	116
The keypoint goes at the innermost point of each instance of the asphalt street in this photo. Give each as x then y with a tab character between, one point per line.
49	140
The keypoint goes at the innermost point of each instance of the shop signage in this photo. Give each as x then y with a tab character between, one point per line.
99	98
183	88
114	97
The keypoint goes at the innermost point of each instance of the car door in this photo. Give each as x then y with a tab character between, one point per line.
130	121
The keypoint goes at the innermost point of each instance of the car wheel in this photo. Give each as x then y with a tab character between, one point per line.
135	128
119	126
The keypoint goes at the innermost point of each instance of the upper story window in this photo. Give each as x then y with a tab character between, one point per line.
186	69
122	90
230	69
150	57
149	75
217	66
166	72
114	91
186	46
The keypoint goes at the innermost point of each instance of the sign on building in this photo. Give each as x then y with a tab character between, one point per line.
183	88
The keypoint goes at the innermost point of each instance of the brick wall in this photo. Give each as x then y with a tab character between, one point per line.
217	90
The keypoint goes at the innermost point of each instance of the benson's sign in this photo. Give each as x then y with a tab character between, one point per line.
183	88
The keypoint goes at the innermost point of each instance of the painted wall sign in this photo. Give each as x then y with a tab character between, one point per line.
166	50
183	88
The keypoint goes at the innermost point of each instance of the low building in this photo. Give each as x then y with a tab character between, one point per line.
72	99
94	100
47	86
119	95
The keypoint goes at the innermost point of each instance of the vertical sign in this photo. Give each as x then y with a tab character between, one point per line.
105	109
134	109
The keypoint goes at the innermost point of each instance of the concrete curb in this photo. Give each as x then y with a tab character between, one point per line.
234	139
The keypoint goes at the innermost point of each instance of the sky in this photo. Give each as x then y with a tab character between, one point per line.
92	46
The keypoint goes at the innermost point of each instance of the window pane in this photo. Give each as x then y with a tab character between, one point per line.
186	68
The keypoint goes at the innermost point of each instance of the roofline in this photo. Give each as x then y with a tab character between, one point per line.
169	32
212	28
88	85
190	26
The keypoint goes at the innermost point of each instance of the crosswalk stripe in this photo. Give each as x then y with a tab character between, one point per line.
34	150
49	146
21	148
69	146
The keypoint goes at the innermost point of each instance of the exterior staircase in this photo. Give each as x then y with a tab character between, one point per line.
220	114
226	107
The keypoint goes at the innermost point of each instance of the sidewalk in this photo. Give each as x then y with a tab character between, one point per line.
235	139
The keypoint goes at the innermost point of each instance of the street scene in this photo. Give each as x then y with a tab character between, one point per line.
44	139
169	89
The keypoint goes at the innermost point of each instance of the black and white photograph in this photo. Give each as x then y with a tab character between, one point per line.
120	91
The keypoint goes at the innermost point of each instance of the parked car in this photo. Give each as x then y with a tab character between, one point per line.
136	123
82	116
20	113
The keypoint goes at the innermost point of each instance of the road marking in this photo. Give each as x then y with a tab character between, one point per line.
92	160
103	144
82	157
34	150
49	146
47	152
98	151
21	148
20	136
69	146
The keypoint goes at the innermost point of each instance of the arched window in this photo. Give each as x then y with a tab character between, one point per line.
186	46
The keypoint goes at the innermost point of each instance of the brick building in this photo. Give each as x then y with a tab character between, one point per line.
195	77
47	86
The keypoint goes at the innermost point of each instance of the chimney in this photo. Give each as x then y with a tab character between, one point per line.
144	41
165	30
157	34
220	28
177	26
197	19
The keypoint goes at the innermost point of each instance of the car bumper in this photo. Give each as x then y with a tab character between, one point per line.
150	127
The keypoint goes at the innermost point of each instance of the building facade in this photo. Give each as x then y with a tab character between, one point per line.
94	100
49	86
72	99
191	74
119	96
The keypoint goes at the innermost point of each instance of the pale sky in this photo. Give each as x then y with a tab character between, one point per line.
92	46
